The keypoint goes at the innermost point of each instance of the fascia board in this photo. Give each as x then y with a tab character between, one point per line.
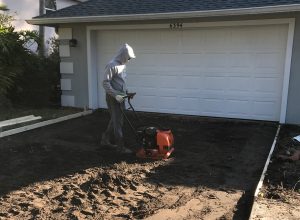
171	15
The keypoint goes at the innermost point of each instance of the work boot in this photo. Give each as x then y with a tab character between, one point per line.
124	150
106	142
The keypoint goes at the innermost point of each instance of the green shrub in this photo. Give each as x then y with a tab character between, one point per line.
11	50
25	77
37	85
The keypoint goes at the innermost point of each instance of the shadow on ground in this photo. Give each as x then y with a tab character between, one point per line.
226	155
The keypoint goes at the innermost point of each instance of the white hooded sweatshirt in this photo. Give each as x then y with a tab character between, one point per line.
114	81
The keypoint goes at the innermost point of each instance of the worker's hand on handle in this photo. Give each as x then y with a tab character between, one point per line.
120	98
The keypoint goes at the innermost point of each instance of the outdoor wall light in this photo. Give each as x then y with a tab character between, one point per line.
73	43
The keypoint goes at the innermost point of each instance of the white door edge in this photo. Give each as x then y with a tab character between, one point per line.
92	76
287	71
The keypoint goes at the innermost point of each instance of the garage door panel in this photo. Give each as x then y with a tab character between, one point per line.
264	97
217	39
167	92
215	83
239	84
164	59
232	72
142	91
146	59
264	108
167	103
190	105
270	38
192	71
269	85
130	37
145	102
106	40
219	94
169	82
167	70
237	74
240	95
263	37
171	41
192	60
215	59
151	71
191	82
238	107
243	39
153	41
148	81
191	93
241	60
272	60
215	73
267	73
193	41
211	106
140	71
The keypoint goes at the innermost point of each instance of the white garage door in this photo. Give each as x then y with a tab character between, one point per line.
234	72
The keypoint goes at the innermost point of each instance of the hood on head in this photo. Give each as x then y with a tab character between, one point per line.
125	53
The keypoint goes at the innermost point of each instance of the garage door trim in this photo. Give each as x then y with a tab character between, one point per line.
91	51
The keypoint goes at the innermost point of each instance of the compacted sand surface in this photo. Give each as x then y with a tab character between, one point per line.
62	172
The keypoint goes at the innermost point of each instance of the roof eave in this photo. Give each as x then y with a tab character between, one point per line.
155	16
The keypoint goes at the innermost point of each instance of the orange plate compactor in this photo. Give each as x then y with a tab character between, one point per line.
154	142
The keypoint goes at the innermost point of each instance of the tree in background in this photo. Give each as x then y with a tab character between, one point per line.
25	77
11	50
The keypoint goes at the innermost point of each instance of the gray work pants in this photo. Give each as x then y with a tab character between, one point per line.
114	129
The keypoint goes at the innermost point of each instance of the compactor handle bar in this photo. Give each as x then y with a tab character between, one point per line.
130	95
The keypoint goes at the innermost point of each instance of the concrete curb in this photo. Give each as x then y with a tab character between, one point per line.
262	177
43	123
19	120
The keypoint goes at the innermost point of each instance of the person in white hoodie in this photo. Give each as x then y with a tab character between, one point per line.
114	84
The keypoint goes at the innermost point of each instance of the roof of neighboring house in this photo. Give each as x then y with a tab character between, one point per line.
106	8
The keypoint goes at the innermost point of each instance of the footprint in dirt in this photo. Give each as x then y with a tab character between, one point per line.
76	201
108	193
3	214
14	211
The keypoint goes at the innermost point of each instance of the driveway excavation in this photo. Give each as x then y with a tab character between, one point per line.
62	172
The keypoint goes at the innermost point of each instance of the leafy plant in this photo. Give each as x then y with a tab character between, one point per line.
39	79
25	77
11	47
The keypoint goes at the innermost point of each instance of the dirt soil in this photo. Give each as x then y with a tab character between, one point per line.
280	195
62	172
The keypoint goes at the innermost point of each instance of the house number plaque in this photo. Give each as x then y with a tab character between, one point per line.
176	25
